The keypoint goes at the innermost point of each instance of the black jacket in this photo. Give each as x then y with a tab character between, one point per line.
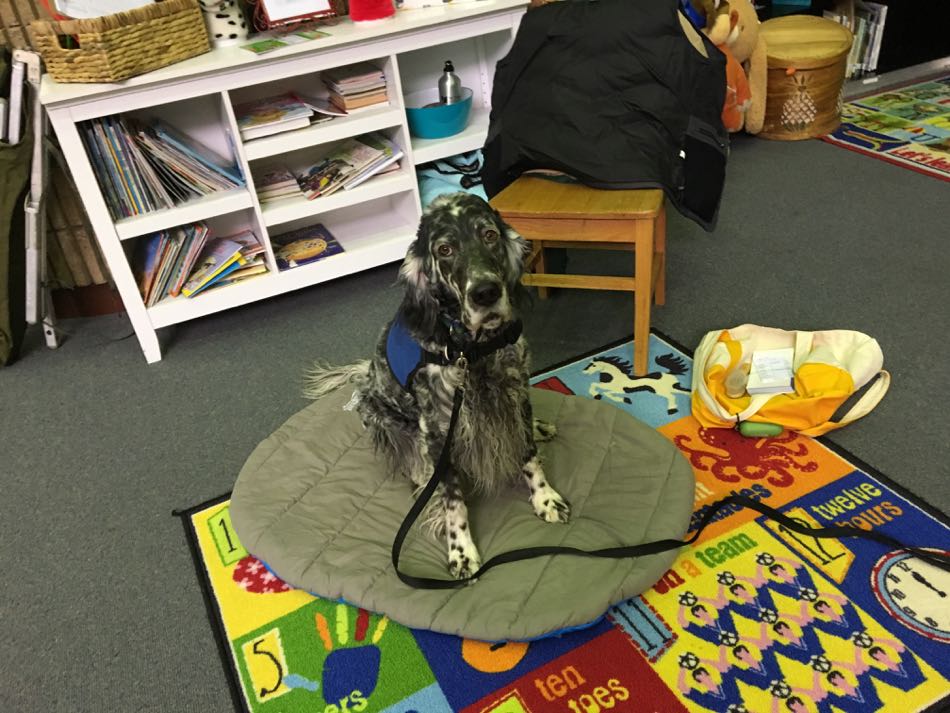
613	93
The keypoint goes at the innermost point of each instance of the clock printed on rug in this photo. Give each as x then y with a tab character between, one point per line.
915	593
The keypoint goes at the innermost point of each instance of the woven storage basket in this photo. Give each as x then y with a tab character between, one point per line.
806	66
122	45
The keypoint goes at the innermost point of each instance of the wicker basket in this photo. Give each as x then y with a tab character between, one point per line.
119	46
806	66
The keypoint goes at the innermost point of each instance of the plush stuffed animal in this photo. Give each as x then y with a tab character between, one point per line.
748	47
722	29
225	21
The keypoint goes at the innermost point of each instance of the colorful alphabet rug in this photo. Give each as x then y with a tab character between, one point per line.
751	618
909	126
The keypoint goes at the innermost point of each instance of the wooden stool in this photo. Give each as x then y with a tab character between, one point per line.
554	214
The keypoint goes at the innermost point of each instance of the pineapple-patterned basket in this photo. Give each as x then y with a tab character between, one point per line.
119	46
806	67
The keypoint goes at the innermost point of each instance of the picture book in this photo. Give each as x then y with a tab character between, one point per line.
118	170
103	176
243	272
276	182
250	245
349	104
328	174
390	154
197	235
271	115
352	73
173	244
321	105
355	86
304	246
199	152
216	279
146	261
189	176
118	152
217	254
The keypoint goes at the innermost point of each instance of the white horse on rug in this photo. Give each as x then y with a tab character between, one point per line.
617	380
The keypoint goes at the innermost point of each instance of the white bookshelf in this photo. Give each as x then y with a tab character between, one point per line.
373	119
374	222
289	209
199	209
471	138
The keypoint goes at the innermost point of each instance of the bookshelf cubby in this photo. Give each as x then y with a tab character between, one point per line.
374	221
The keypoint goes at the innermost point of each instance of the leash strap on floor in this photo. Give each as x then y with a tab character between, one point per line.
935	558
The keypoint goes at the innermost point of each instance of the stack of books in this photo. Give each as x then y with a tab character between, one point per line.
219	258
349	164
356	86
187	260
142	168
275	183
304	246
163	261
252	252
866	21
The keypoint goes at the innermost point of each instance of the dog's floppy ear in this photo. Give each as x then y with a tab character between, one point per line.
420	309
516	249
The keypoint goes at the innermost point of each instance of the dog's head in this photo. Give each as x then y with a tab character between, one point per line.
465	263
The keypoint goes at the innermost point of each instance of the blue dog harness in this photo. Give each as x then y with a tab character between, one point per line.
406	356
403	353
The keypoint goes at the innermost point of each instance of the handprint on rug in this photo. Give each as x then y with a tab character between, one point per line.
351	669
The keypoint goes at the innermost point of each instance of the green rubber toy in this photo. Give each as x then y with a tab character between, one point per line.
752	429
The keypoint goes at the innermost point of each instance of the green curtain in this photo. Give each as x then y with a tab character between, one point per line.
14	178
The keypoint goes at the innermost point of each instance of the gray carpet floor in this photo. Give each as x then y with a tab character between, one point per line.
100	607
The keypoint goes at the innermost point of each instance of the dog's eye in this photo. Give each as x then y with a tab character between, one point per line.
490	236
444	250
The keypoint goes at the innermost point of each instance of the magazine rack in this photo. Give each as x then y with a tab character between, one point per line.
374	222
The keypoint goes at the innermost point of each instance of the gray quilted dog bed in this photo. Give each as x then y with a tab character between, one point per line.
315	503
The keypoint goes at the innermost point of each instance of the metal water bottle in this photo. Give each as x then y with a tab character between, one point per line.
450	86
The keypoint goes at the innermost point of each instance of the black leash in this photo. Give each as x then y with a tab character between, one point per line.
936	559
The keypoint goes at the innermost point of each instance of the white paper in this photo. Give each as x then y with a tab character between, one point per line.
15	117
96	8
282	9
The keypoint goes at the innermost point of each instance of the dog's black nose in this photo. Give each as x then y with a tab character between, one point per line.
485	294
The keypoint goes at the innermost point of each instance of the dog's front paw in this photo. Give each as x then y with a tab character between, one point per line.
550	506
464	560
543	431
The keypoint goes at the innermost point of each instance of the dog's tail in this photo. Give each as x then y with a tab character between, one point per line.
323	378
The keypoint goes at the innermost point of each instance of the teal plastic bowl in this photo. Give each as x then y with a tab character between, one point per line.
430	120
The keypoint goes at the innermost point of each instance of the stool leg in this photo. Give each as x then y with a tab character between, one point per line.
659	248
643	296
540	266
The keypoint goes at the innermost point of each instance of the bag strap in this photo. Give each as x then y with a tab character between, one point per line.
937	559
871	398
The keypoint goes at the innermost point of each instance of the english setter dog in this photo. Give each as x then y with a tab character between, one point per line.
462	280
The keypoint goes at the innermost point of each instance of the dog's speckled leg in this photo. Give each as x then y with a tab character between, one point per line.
546	501
542	430
464	559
